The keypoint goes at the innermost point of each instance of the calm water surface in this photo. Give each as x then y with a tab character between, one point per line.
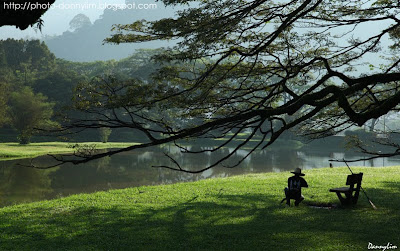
21	184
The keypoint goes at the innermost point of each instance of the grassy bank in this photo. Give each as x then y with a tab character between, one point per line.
238	213
17	151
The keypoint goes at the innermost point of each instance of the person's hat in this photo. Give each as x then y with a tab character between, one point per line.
298	171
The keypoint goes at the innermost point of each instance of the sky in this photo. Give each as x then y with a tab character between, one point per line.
56	20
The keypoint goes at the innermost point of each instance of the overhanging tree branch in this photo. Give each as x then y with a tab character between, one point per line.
259	67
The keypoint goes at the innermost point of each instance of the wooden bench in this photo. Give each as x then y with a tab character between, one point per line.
351	192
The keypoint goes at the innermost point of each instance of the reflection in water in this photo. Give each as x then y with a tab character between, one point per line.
22	184
18	185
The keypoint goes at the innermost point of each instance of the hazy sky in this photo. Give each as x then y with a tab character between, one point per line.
56	20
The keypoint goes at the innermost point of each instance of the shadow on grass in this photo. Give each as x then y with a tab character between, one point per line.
217	222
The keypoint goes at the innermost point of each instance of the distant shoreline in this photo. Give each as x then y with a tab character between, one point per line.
10	151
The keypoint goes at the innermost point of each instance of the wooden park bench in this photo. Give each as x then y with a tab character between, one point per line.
351	192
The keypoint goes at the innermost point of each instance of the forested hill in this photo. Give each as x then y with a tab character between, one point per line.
31	75
84	42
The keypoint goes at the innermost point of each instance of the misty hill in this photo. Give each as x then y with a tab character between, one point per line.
86	43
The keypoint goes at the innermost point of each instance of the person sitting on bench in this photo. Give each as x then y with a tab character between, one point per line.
293	191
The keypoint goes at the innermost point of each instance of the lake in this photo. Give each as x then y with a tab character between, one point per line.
132	169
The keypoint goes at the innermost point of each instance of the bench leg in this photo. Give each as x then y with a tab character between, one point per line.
344	201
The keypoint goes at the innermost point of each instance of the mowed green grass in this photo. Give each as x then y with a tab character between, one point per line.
16	151
236	213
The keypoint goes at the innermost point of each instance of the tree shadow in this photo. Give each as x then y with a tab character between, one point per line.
218	221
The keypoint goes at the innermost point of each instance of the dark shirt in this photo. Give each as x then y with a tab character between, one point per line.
295	183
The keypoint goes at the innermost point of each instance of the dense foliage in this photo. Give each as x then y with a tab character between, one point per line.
33	83
29	111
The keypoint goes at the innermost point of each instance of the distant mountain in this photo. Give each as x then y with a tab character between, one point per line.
86	43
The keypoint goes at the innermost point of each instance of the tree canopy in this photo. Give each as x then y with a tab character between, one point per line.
259	67
23	14
29	111
29	63
25	60
3	103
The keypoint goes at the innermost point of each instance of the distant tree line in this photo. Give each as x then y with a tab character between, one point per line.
36	88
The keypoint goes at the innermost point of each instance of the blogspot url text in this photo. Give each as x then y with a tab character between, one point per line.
31	6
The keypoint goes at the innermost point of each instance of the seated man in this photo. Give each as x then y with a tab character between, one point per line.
293	191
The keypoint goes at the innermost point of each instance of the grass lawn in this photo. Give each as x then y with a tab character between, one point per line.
237	213
17	151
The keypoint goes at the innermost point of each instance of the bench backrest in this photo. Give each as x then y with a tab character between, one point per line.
353	179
